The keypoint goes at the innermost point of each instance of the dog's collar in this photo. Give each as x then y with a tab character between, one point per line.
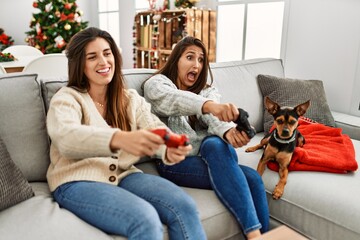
284	141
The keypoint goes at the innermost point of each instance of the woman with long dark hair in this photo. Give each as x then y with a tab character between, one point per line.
99	130
182	98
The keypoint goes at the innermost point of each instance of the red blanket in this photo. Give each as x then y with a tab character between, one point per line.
326	149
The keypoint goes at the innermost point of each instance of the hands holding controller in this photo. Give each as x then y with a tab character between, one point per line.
145	143
243	132
178	144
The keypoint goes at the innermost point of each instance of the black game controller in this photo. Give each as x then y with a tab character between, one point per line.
243	123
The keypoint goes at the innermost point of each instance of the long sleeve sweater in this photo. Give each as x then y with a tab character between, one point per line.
80	139
174	106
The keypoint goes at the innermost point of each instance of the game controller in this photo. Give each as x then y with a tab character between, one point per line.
243	123
172	139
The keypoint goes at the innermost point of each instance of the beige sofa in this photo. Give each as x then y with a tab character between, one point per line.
319	205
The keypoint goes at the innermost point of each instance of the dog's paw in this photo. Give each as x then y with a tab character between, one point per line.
300	141
278	192
250	149
300	144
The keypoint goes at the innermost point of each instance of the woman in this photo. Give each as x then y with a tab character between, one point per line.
180	95
99	130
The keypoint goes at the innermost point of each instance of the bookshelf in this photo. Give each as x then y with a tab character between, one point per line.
156	32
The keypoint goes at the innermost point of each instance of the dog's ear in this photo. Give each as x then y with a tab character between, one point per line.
271	106
301	108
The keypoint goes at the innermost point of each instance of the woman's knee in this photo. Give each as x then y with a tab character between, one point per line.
212	143
113	210
215	145
214	148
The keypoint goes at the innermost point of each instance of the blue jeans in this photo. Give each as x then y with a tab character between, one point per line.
239	188
136	208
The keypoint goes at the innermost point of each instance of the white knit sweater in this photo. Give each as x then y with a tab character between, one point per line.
80	139
173	106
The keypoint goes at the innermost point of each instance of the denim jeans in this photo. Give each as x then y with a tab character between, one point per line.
240	188
136	208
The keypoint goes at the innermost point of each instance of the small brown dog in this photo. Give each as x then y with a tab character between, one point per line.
280	143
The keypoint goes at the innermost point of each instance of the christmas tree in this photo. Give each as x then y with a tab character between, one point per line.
5	40
54	25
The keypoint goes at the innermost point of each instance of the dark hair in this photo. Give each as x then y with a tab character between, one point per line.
117	99
170	69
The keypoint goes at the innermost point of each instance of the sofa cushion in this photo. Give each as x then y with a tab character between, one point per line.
41	218
50	86
291	92
14	188
22	127
236	82
135	77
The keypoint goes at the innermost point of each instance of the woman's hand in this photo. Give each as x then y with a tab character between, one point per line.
139	143
224	111
176	155
236	139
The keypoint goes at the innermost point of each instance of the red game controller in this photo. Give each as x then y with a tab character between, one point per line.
172	139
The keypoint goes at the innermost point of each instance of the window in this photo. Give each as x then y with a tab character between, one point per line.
109	18
249	29
141	5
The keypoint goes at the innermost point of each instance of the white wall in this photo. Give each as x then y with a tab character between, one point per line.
126	32
323	42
